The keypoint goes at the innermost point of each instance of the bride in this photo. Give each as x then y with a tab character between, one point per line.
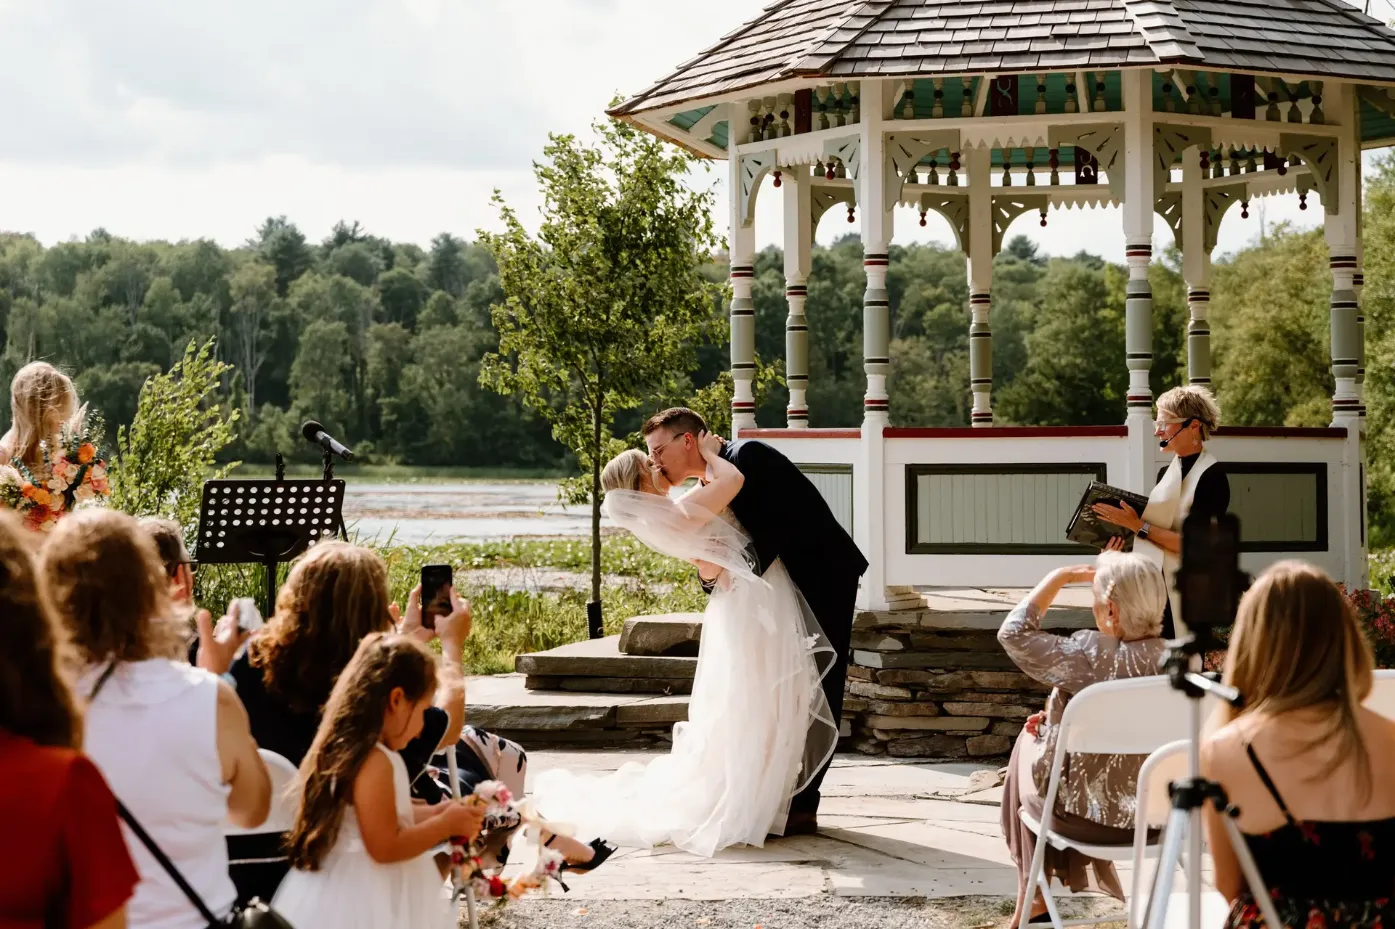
758	727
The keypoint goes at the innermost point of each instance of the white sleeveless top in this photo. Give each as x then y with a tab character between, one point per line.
153	732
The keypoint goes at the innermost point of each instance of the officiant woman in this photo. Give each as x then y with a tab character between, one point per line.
1193	482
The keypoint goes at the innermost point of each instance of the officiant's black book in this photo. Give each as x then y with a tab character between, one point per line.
1085	528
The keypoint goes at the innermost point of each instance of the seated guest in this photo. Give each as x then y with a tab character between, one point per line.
179	567
1193	482
1095	799
172	741
63	861
206	649
335	595
1312	770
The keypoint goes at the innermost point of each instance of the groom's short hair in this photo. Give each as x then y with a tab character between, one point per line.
678	419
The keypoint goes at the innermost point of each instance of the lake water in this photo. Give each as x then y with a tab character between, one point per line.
470	511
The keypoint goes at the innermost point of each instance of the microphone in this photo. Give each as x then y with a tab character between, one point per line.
315	433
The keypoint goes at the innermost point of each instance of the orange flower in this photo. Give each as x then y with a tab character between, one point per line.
28	490
86	452
41	497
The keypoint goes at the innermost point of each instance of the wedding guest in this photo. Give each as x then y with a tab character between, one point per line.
42	400
1311	770
63	861
335	596
172	741
1193	482
1095	799
168	536
362	852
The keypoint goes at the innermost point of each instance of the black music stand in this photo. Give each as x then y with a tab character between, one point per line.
267	522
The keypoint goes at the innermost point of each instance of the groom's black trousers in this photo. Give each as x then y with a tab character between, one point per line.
833	600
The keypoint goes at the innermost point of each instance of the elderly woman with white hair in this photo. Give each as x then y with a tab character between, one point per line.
1095	801
1192	483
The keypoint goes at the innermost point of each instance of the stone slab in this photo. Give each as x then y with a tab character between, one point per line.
612	685
502	703
601	658
654	711
665	634
952	661
935	723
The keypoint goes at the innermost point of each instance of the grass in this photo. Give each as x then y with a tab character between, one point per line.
511	622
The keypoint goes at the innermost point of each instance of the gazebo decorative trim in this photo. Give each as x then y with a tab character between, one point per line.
983	111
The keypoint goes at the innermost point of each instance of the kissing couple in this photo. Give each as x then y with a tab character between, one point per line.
768	692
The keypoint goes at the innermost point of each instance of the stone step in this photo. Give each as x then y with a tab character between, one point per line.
673	635
504	705
601	658
612	685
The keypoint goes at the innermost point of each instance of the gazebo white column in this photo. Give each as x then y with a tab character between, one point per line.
742	257
869	497
799	240
1138	251
1196	269
1342	225
980	249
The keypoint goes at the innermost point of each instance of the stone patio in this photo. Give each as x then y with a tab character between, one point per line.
888	829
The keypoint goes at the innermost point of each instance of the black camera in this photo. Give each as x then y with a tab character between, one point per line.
1210	581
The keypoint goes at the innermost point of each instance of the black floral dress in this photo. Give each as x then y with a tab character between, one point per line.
1322	875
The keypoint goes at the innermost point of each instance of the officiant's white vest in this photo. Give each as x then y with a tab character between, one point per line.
1168	506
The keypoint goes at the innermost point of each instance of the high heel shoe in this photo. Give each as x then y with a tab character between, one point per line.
601	850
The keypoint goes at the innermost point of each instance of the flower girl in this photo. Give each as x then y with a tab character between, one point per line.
361	853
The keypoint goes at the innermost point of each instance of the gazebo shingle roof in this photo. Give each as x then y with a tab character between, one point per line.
848	39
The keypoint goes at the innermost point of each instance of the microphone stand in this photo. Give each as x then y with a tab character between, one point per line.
329	476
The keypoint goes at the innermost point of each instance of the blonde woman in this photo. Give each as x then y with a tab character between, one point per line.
1095	802
1187	418
1311	770
42	399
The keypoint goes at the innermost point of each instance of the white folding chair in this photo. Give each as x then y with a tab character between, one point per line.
1152	809
1137	716
1382	698
282	815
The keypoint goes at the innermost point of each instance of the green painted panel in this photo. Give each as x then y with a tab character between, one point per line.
719	135
951	97
689	118
1375	124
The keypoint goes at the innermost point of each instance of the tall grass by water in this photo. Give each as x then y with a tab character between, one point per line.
510	621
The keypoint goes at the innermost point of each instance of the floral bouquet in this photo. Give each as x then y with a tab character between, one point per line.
502	813
73	474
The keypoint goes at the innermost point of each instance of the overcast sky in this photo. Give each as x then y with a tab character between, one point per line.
170	119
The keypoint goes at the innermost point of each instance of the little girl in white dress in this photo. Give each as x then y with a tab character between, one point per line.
360	851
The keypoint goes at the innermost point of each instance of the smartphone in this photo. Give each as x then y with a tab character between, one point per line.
436	580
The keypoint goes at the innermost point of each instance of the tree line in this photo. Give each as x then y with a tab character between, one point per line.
384	342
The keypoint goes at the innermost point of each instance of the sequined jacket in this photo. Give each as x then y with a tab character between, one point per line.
1099	787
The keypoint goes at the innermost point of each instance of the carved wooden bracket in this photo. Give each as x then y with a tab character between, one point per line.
904	152
1319	153
1169	207
753	168
823	199
1007	207
1169	142
955	210
1218	200
1102	141
848	150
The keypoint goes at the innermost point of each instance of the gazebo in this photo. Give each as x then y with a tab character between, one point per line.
984	111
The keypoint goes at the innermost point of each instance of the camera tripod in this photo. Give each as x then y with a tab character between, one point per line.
1189	796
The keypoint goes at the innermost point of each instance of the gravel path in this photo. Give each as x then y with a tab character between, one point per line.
811	913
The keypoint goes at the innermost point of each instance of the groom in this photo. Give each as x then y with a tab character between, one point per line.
787	518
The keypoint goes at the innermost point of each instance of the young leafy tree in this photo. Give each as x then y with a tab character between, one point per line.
179	429
606	305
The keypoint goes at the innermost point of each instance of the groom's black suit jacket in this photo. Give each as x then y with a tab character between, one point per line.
787	518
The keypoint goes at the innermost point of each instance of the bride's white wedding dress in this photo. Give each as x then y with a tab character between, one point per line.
758	727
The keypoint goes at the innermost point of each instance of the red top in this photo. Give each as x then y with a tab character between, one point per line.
63	861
